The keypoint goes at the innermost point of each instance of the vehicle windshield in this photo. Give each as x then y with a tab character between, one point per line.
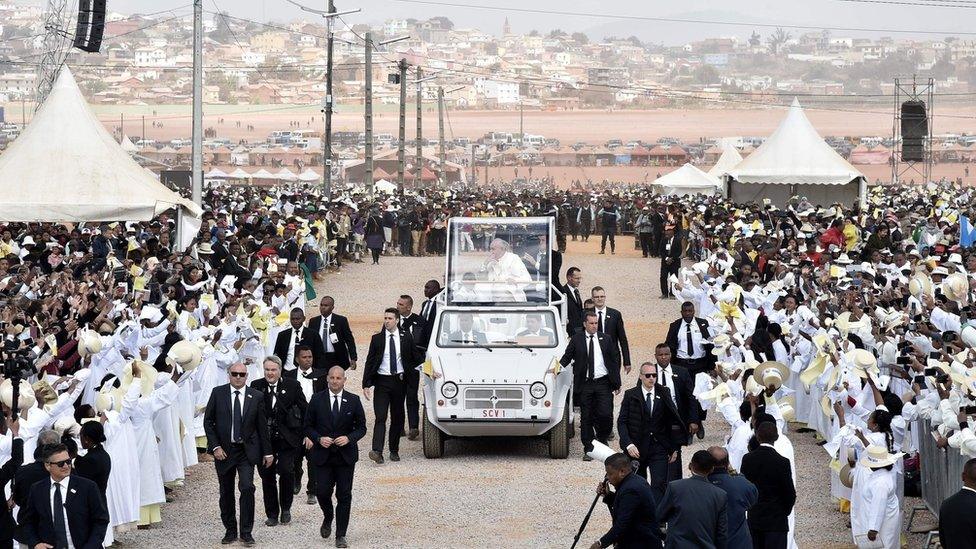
499	260
497	329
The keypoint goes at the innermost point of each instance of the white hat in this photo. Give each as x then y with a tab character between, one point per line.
89	343
150	313
968	336
864	362
25	400
876	457
772	373
67	425
147	377
600	451
955	258
843	259
940	270
184	354
956	287
920	284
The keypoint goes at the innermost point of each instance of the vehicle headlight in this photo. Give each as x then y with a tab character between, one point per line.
449	390
538	389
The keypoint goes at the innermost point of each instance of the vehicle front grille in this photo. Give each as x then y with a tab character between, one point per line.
487	398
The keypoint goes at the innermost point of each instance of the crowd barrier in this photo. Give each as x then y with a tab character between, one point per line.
940	470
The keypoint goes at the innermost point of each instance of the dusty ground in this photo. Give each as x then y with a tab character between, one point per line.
485	493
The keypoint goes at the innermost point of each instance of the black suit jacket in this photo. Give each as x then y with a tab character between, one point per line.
7	473
632	507
413	324
87	515
613	326
95	466
345	348
409	355
957	522
770	472
479	337
674	253
306	337
289	409
677	329
641	428
24	478
574	311
428	313
319	422
684	385
577	354
695	511
318	377
219	416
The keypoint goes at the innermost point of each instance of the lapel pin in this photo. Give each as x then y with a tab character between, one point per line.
72	491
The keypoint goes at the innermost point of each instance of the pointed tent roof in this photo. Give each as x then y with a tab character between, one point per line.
308	175
66	167
795	154
239	174
127	145
730	158
286	175
216	173
263	174
687	180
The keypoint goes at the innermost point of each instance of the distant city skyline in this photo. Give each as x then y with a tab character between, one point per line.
815	13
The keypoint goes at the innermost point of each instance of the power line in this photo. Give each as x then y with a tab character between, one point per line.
680	19
903	3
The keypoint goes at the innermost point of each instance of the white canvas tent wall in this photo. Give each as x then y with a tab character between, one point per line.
730	158
687	180
65	167
795	161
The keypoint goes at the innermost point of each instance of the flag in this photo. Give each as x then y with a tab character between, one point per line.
967	234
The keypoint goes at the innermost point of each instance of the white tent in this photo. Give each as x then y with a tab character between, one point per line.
309	175
795	160
216	173
687	180
239	174
127	145
730	158
263	174
384	186
286	175
66	167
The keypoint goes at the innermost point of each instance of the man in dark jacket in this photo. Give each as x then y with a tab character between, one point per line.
694	510
770	472
742	495
7	472
631	506
957	522
96	464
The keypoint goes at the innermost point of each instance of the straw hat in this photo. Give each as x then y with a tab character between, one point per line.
147	377
843	259
753	387
864	362
25	400
876	457
185	355
205	249
43	390
956	287
771	373
968	336
89	343
920	284
722	342
67	425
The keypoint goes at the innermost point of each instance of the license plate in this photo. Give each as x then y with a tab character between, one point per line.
493	413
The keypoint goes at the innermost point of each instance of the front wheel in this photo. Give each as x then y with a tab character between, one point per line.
433	439
559	437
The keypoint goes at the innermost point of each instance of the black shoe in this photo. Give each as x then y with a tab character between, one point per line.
271	522
247	540
586	457
376	456
611	436
325	530
701	432
228	538
394	456
285	517
311	500
298	488
341	541
414	434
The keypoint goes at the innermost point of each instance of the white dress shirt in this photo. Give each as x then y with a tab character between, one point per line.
306	383
64	511
599	368
290	359
664	378
384	369
326	334
697	351
273	389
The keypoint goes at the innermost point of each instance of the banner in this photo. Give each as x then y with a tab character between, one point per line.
967	235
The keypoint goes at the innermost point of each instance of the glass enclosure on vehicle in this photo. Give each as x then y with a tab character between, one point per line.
499	260
497	329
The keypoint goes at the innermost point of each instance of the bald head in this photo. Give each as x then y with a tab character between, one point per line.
720	455
336	379
969	474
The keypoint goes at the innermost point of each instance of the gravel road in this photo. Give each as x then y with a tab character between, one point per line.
484	493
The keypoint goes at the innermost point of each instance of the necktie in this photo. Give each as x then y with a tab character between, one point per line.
335	406
590	361
602	331
393	356
579	303
468	340
238	417
649	402
60	532
691	346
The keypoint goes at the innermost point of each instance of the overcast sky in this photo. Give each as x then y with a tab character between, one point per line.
833	13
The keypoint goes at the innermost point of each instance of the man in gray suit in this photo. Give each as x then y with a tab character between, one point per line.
694	509
742	495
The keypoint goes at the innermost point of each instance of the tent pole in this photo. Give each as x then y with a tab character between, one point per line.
197	164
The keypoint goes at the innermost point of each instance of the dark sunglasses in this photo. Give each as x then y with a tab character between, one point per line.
62	463
649	376
238	374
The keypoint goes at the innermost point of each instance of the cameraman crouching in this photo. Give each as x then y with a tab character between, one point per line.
631	506
284	405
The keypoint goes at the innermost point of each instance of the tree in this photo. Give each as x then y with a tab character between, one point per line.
755	40
777	40
443	22
635	41
704	75
557	33
533	32
580	38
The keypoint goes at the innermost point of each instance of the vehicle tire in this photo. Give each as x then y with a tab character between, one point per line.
433	439
559	437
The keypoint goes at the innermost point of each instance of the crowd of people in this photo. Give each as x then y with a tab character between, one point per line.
136	361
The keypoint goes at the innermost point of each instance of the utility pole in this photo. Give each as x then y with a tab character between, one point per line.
401	150
474	165
368	115
442	180
420	129
197	138
143	128
327	138
121	127
521	125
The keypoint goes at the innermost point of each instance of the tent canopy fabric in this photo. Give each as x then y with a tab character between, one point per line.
65	167
795	154
308	175
730	158
216	173
687	180
384	186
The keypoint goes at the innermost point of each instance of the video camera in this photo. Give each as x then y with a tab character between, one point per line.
16	363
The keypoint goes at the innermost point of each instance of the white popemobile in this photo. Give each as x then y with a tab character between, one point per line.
492	361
